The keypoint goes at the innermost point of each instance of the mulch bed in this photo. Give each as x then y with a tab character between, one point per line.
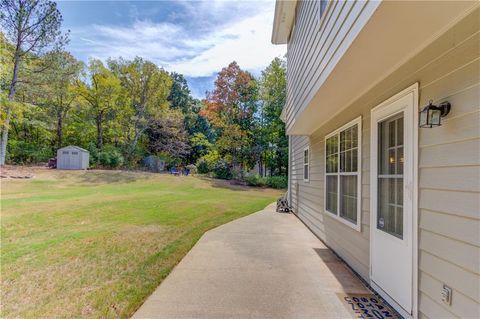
16	172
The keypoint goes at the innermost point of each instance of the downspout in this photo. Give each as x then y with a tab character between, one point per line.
289	172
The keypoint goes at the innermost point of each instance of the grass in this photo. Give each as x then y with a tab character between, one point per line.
96	244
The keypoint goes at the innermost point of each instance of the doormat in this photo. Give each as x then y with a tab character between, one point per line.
367	306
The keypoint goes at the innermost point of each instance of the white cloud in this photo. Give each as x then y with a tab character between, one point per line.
208	39
247	42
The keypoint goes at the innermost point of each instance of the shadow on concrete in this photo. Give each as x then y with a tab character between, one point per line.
341	272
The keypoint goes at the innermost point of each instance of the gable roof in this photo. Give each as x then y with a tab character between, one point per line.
75	147
283	20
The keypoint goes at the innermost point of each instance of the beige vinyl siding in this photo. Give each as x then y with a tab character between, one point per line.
448	174
316	46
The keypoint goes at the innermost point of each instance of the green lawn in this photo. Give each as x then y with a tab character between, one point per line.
97	243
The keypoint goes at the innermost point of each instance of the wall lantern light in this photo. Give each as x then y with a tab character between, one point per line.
431	114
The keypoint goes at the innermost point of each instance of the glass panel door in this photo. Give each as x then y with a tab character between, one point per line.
390	176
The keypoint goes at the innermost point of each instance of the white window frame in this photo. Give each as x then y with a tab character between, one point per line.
358	225
307	164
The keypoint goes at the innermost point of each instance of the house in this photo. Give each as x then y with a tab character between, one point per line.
399	203
72	157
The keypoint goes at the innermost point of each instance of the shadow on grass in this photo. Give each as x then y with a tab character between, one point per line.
229	184
109	177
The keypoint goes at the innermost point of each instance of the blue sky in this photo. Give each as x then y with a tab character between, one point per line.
195	38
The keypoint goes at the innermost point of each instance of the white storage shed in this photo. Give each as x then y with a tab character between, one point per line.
72	157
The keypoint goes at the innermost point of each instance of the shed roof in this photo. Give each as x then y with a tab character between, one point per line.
75	147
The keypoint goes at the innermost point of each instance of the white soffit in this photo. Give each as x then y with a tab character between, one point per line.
283	20
395	33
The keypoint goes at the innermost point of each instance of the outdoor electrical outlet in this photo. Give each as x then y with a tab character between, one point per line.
447	295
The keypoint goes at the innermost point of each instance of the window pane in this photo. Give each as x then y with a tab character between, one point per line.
331	196
390	214
305	171
348	139
355	136
348	161
399	160
400	131
399	191
342	141
342	161
332	163
332	146
391	161
391	133
390	180
305	156
355	160
390	146
348	197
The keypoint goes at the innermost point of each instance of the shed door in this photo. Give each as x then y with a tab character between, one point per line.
65	160
392	155
75	160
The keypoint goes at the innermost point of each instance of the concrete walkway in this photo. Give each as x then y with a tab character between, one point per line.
266	265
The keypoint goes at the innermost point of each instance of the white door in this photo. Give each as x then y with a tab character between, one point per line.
393	167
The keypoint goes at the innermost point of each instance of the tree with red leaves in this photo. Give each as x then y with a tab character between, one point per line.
231	109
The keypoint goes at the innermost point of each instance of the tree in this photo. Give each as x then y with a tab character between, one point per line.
57	90
231	109
195	124
102	94
167	135
272	137
180	97
33	26
147	87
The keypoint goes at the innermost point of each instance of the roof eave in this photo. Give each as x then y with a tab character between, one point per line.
283	20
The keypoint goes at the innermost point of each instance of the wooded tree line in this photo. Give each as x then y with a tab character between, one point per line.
124	110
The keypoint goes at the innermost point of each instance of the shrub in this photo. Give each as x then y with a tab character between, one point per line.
211	158
222	170
21	152
192	168
109	156
277	181
255	180
92	148
202	166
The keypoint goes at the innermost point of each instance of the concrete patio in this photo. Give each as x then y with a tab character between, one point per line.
266	265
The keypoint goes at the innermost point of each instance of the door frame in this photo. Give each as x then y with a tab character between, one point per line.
373	198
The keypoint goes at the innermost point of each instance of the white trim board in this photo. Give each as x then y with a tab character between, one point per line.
413	231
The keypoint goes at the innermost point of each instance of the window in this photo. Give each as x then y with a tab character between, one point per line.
322	5
306	162
64	152
74	153
343	173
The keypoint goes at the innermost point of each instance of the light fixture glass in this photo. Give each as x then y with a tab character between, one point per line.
431	114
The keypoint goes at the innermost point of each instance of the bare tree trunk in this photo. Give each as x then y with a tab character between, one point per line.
99	131
4	140
11	94
59	130
133	145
